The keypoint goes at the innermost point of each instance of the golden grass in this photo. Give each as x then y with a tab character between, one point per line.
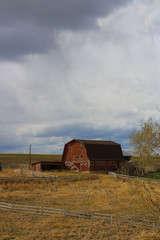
105	195
28	227
8	173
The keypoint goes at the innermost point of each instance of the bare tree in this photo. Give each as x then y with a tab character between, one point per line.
150	197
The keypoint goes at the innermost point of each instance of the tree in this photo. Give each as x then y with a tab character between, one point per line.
146	142
149	194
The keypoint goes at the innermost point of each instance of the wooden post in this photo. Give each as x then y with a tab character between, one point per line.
30	157
42	210
24	179
92	215
64	211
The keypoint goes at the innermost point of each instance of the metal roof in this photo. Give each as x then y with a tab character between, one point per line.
102	150
100	142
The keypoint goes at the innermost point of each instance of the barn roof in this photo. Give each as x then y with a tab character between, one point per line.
92	142
102	150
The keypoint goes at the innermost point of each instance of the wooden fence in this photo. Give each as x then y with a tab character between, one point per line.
121	176
20	179
47	211
51	177
38	177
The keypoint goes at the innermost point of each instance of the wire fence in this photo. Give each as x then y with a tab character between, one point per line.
48	211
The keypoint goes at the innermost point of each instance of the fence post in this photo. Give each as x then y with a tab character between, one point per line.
153	224
92	216
42	210
24	179
64	211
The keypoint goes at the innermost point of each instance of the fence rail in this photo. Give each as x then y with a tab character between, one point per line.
20	179
47	211
122	176
38	177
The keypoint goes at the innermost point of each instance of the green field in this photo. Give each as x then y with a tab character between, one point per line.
13	160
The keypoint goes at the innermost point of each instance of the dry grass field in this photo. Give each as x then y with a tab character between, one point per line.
105	195
13	160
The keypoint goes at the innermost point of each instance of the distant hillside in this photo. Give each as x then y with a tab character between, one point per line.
13	160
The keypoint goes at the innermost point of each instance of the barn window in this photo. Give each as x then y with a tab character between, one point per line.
84	163
66	163
69	164
80	144
81	163
92	163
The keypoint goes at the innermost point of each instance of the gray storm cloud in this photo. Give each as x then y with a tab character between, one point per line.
76	69
28	27
70	14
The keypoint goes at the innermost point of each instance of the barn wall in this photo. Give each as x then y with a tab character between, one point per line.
36	167
75	153
103	165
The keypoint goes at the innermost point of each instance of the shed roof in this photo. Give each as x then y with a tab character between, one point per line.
47	163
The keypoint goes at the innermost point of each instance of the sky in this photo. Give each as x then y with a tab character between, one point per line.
83	69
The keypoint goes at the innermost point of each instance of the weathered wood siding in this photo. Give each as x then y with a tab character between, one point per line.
36	167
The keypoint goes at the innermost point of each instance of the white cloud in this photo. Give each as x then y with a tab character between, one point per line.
102	78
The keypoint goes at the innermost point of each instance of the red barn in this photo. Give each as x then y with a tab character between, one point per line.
92	155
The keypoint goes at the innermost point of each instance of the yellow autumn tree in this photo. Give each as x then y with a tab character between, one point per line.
146	143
